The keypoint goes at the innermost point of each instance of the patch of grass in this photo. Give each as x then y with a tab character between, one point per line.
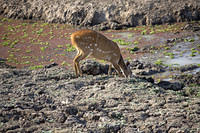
60	46
4	19
4	38
152	32
144	32
28	51
51	60
132	50
50	32
70	48
159	62
166	48
130	35
39	32
26	62
18	26
192	54
25	35
189	40
121	42
10	28
43	43
36	67
171	55
24	24
16	50
13	43
44	24
43	48
64	63
6	43
194	51
34	25
11	55
136	42
26	57
51	37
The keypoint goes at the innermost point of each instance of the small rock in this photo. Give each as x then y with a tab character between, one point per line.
71	110
171	86
51	65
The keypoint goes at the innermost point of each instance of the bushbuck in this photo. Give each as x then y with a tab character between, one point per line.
91	43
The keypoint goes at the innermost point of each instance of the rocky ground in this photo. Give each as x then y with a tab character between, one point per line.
53	100
104	14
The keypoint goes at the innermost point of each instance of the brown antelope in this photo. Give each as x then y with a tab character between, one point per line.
89	42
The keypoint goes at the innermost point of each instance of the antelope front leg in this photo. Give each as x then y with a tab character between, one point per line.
77	59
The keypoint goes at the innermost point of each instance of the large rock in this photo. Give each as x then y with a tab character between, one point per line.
103	14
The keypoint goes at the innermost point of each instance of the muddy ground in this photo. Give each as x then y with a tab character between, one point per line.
42	94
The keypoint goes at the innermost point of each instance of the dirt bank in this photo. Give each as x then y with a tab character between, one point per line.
104	14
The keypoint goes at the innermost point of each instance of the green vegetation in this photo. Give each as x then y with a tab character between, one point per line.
51	60
60	46
25	35
159	62
26	57
152	32
43	48
26	62
28	51
171	55
64	63
69	48
144	32
36	67
166	48
130	35
39	32
136	42
132	50
6	43
121	42
13	43
189	40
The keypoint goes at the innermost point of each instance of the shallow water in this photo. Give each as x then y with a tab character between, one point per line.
182	53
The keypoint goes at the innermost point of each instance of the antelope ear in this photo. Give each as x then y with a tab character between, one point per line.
127	63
